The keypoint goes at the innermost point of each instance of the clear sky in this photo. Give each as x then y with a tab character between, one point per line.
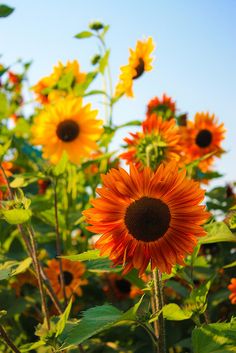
195	51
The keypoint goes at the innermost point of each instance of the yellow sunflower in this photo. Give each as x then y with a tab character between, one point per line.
50	88
140	60
67	126
201	138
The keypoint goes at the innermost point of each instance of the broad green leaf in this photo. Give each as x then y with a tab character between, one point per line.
217	232
5	10
94	321
174	312
84	34
84	256
22	267
31	346
215	338
16	216
104	62
63	319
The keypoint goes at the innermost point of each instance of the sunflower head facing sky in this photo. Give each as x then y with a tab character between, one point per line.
147	217
67	126
158	142
73	272
202	137
164	107
140	60
61	81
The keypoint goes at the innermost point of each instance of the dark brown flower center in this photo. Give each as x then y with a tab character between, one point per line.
67	130
147	219
203	138
139	69
68	278
123	285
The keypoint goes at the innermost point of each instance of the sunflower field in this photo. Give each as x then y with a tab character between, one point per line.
103	250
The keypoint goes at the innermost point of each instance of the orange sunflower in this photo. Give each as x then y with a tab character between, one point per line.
140	60
164	107
119	287
232	288
203	137
23	281
73	272
158	142
56	85
3	183
67	126
145	216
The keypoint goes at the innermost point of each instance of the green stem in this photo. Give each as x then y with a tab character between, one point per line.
7	340
39	275
158	290
58	244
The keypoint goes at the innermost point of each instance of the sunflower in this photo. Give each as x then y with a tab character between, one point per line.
158	142
145	216
67	126
203	137
140	60
116	286
164	107
232	288
73	272
56	85
7	166
24	281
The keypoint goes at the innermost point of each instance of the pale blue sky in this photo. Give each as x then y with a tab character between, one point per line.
195	51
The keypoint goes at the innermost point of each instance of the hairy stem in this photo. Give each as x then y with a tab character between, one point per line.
7	340
158	290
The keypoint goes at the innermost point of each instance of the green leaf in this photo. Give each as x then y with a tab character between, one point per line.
232	264
102	265
217	232
31	346
84	256
130	315
94	321
84	34
4	148
18	182
215	338
104	62
130	123
6	269
16	216
174	312
22	267
3	105
63	319
5	10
